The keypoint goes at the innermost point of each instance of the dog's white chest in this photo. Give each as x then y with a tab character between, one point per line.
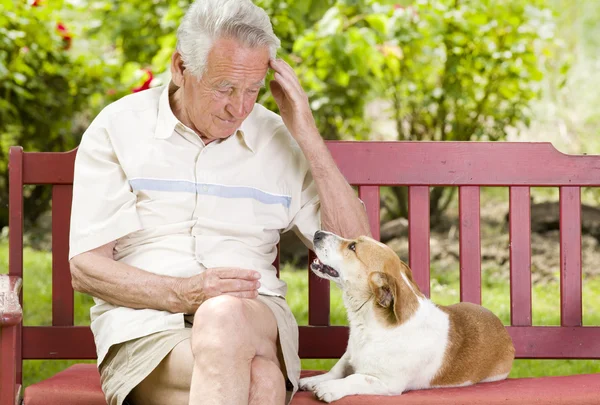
413	351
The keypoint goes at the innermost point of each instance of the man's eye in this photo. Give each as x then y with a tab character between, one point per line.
253	91
352	246
225	91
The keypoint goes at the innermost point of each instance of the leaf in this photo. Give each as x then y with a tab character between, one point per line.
378	22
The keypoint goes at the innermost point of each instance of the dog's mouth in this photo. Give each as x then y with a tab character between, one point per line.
316	265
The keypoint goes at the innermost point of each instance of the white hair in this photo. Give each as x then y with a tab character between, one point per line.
209	20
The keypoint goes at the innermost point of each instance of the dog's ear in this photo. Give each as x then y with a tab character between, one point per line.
383	287
407	271
385	292
395	300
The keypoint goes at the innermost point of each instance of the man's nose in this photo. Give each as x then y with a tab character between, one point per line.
236	106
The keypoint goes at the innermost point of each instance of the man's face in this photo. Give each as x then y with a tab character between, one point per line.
215	105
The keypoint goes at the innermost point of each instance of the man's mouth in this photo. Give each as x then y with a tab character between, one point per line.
228	122
316	265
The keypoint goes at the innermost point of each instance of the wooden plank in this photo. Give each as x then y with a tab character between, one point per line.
15	258
531	342
62	290
462	164
8	364
410	163
418	236
370	196
58	342
36	164
570	256
520	256
470	244
15	217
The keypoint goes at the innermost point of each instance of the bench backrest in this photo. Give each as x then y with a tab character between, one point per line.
370	165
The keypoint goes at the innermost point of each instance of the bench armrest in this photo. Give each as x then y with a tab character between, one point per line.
10	310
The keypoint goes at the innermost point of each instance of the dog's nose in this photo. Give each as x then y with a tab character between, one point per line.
319	235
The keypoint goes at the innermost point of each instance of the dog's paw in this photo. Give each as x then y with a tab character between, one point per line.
309	383
328	391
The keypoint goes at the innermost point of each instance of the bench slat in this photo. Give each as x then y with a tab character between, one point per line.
393	163
62	290
36	164
58	342
418	236
462	164
11	342
520	256
535	342
470	244
15	216
370	196
570	256
531	342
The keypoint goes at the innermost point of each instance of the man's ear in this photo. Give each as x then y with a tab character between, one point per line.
177	69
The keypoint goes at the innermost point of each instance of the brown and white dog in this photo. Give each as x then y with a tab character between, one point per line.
400	340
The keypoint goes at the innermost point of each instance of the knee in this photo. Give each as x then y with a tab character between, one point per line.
219	325
267	383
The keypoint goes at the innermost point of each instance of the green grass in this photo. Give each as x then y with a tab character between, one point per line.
445	290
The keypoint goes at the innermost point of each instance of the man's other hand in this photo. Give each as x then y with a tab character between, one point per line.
193	291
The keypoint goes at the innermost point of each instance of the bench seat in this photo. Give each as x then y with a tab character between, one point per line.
80	384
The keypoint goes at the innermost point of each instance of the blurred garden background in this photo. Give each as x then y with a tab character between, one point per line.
469	70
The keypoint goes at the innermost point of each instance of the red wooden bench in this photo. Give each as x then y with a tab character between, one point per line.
369	165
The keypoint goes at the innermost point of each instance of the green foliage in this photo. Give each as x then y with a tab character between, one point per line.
449	70
441	69
44	89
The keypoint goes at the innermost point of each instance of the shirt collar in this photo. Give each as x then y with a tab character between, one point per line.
245	136
167	121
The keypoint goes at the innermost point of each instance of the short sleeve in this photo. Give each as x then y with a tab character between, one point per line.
104	206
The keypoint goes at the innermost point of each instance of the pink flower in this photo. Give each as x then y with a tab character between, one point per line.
65	35
146	84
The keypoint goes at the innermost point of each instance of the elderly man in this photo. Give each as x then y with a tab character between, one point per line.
179	198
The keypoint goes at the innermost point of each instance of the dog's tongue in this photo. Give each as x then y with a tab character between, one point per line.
323	268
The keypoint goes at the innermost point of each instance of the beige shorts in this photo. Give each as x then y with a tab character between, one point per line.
129	363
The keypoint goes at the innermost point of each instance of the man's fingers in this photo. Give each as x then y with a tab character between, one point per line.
284	72
233	272
291	90
244	294
238	285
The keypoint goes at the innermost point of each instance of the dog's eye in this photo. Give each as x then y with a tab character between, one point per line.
352	246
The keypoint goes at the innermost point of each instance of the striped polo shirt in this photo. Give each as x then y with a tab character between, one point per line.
176	206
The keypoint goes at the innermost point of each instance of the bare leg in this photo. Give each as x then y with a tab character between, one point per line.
267	384
228	334
232	359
